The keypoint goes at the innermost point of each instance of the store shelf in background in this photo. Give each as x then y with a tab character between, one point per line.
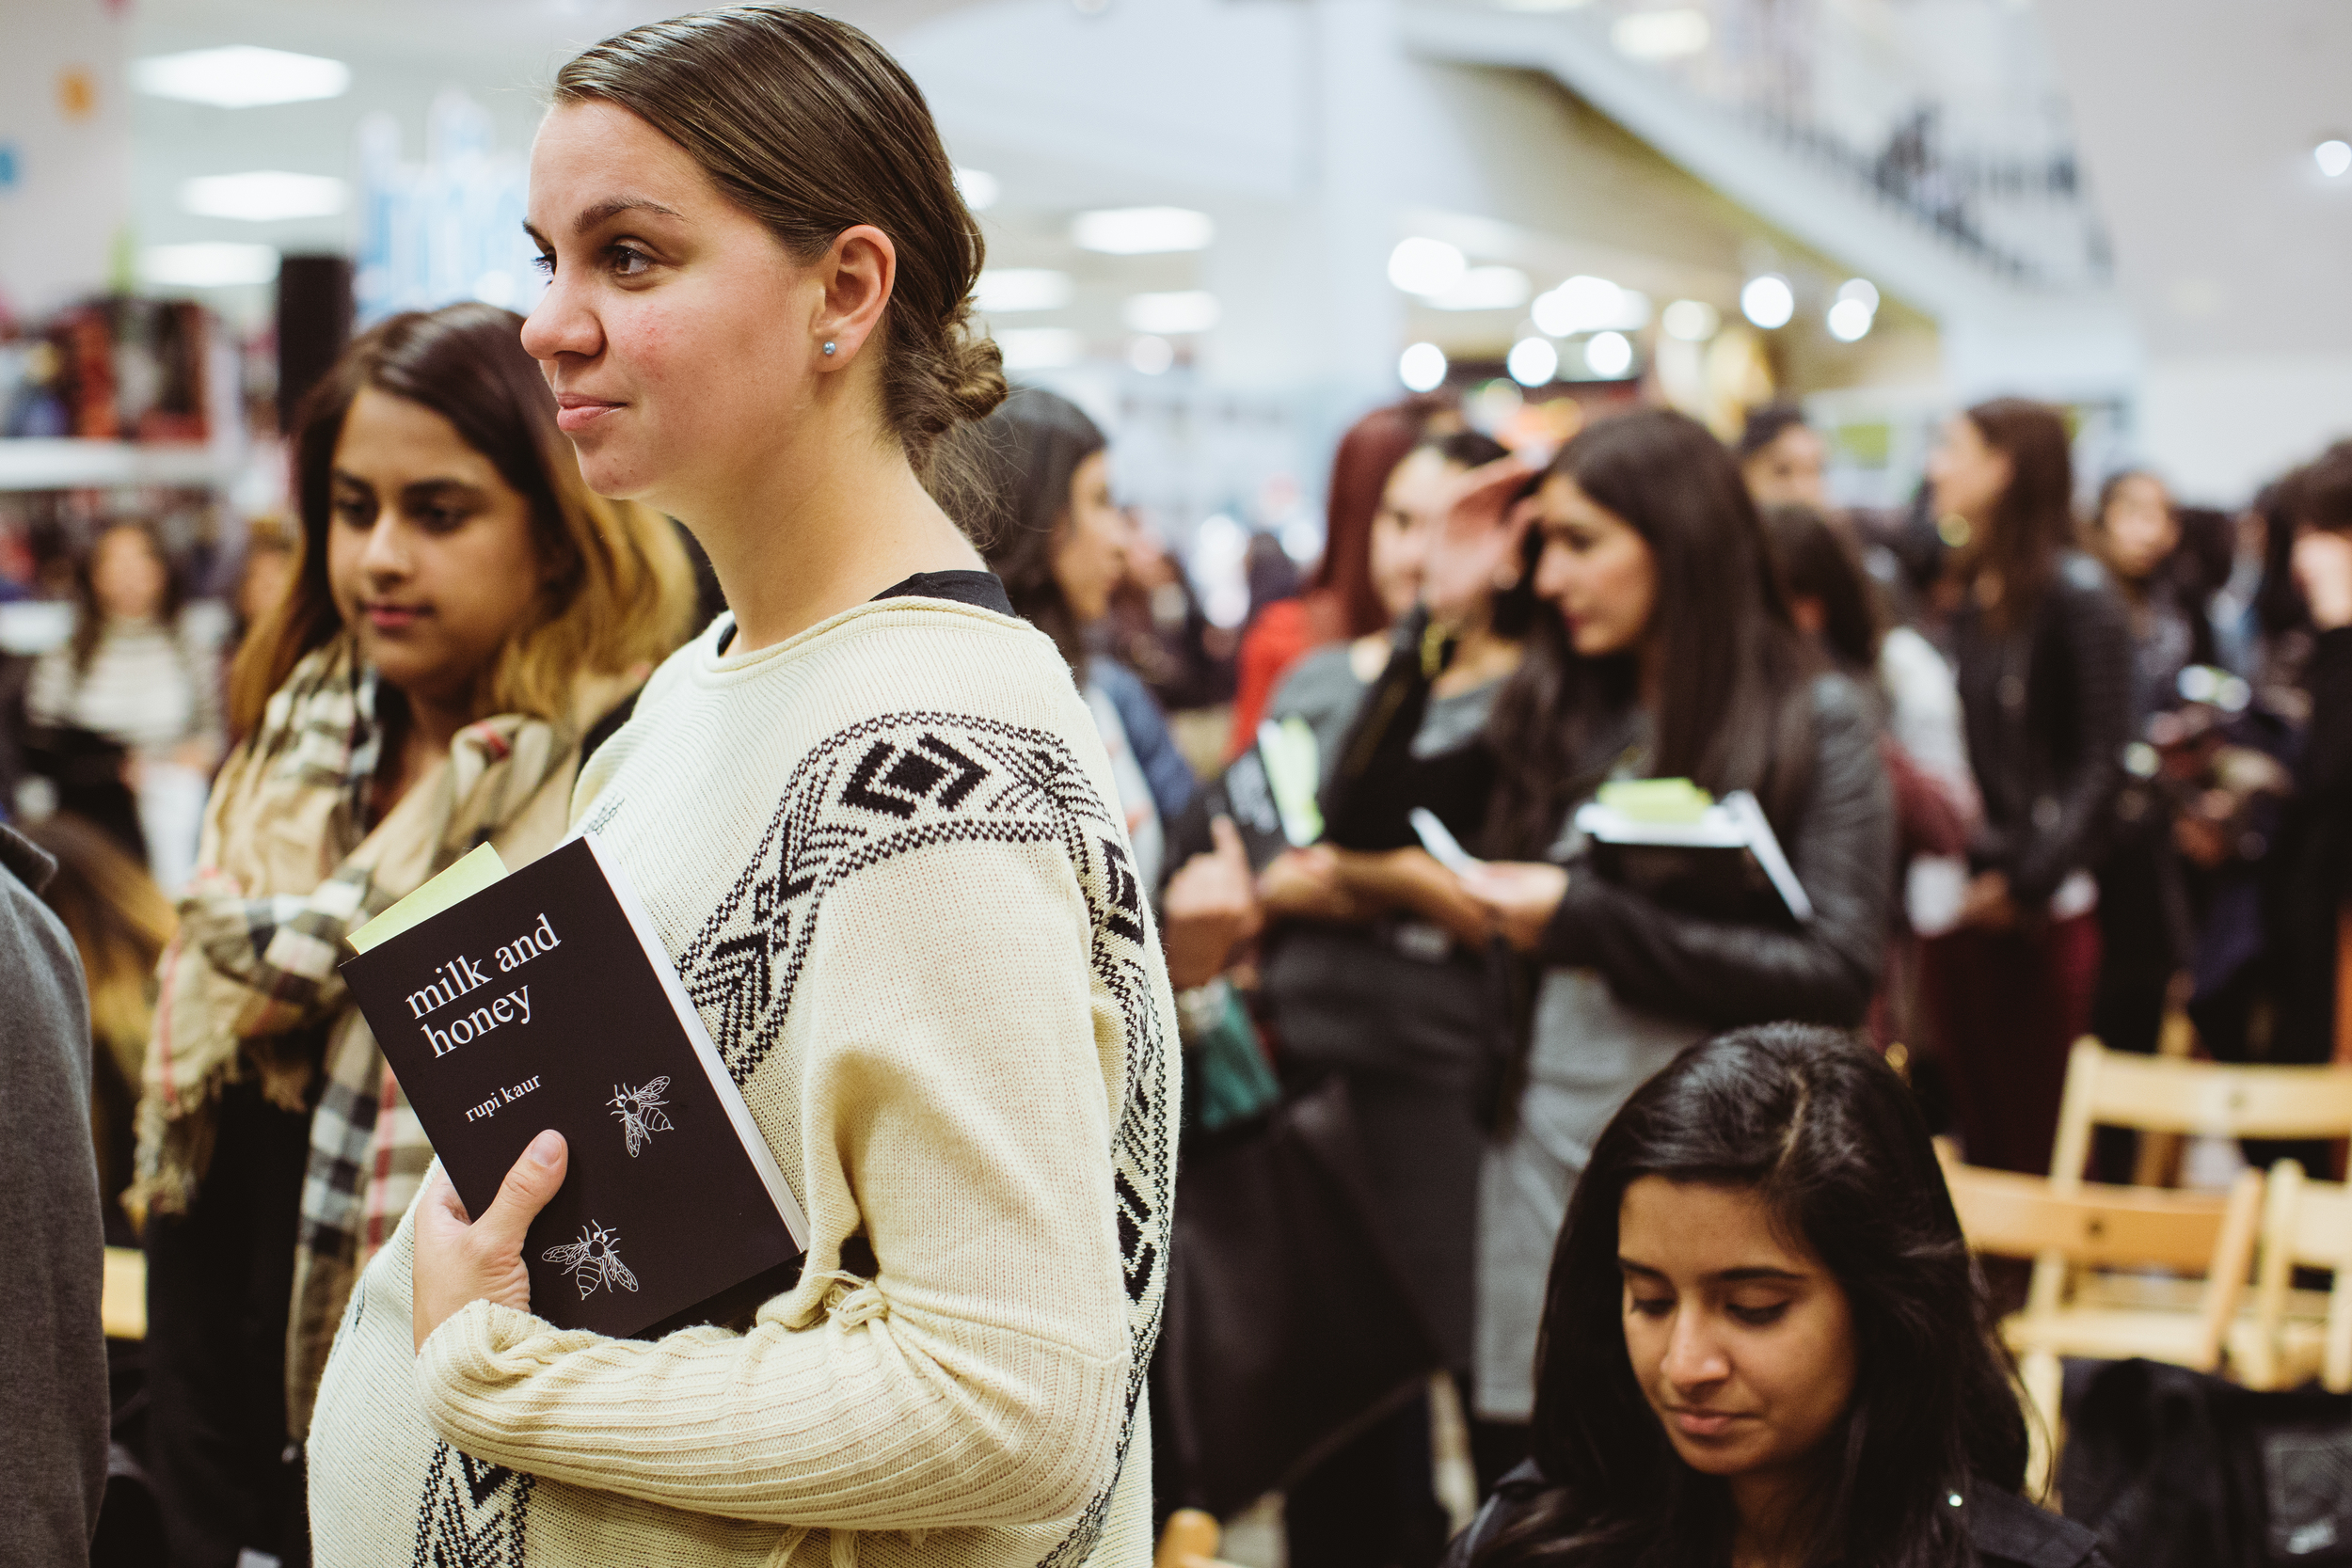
28	463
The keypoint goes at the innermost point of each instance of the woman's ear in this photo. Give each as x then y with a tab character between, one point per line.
858	272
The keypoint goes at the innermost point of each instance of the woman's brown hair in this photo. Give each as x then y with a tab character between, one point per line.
619	593
812	127
2035	519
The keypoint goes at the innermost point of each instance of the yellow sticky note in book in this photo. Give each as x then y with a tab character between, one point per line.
468	875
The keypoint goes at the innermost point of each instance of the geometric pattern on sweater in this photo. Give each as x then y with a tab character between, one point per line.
899	782
473	1514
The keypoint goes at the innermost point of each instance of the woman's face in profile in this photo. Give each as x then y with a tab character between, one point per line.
1091	552
675	328
1412	508
1596	571
1967	473
1742	1340
429	551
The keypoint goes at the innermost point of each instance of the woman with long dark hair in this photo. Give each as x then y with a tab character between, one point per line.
1664	650
1764	1345
2043	658
464	619
872	824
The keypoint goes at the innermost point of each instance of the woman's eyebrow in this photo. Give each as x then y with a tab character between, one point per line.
1628	1265
604	211
1759	1271
435	490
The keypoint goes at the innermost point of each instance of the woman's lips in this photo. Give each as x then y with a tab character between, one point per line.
573	413
390	617
1704	1423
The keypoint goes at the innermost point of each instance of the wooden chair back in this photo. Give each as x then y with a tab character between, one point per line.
2306	1224
2161	1094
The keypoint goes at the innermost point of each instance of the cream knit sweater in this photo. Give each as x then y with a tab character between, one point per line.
886	857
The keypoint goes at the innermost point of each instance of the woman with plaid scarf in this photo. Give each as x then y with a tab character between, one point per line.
467	622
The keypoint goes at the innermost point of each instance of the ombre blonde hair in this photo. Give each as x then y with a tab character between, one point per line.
619	595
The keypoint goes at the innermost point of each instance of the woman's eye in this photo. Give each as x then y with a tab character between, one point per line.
353	513
1655	1306
441	520
545	262
1761	1316
628	262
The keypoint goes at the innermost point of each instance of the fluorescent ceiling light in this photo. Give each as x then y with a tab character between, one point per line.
2333	157
1848	321
240	77
1608	354
1041	348
1142	230
1532	361
1425	267
1542	5
208	264
1660	35
1862	289
1589	304
1694	321
1485	289
1768	301
979	190
1150	356
1004	290
263	195
1186	311
1422	368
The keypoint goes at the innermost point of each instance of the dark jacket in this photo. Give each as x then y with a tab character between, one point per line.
2311	866
1726	973
2007	1531
52	1368
2048	710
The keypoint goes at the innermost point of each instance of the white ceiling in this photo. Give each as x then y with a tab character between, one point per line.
2197	122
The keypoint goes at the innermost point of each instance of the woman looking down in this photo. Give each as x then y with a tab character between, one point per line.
1764	1345
869	816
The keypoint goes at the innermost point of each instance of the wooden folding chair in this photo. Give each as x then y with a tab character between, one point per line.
2293	1334
2093	1227
2174	1094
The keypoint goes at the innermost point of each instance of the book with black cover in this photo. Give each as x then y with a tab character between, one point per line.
1723	860
546	999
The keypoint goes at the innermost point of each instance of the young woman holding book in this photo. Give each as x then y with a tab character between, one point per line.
464	616
1667	652
1764	1345
872	823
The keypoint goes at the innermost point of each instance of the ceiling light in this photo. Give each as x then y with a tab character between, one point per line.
977	189
1660	35
1041	348
1862	289
1532	361
208	264
1142	230
2333	157
1848	321
1485	289
1186	311
240	77
1542	5
1609	356
1425	267
1768	301
1589	304
263	195
1004	290
1694	321
1150	356
1422	368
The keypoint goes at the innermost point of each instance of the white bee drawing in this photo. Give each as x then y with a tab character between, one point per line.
592	1260
640	1110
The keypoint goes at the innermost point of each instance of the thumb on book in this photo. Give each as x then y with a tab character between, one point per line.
530	1183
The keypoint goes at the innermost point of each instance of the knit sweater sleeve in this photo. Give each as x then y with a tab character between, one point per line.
958	1103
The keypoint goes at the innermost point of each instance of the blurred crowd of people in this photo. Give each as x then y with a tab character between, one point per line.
2041	771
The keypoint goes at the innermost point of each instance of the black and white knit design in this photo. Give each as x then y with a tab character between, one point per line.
472	1514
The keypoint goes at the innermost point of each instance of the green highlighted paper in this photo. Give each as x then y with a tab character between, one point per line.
1656	800
471	873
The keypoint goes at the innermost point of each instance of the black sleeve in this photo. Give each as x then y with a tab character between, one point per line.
2094	633
2323	776
1727	972
1364	806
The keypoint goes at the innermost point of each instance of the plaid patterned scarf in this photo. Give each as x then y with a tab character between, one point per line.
286	868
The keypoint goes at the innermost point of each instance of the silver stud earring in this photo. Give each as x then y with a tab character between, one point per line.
831	349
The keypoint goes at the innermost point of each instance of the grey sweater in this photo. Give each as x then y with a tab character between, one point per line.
52	1353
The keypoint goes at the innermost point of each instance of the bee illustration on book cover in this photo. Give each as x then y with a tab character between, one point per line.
640	1110
592	1260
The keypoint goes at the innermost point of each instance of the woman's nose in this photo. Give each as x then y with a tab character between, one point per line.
1693	1356
561	323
